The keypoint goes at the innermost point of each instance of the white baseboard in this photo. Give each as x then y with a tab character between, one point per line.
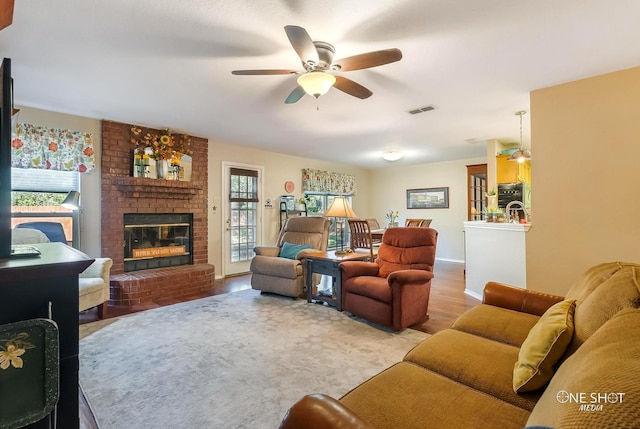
473	294
450	260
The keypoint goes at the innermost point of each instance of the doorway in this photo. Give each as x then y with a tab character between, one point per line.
243	216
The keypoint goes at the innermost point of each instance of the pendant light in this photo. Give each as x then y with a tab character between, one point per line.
521	155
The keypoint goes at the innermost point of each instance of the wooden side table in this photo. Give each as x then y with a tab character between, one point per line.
328	263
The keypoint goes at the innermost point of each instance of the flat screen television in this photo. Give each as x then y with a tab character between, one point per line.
5	158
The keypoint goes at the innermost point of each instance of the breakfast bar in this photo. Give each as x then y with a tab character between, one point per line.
494	252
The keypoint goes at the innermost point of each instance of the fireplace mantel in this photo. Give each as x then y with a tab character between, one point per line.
141	187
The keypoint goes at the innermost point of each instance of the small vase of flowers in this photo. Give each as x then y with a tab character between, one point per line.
392	218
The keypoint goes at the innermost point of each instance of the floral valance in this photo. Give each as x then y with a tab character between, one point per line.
51	149
328	182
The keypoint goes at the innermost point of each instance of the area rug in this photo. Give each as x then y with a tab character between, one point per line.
237	360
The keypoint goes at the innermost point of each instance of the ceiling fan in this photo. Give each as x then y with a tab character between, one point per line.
317	60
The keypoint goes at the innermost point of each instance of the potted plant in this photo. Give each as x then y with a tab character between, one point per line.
491	197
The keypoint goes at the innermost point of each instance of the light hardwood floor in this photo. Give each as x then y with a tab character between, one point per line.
447	302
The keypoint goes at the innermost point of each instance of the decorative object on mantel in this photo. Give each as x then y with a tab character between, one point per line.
164	149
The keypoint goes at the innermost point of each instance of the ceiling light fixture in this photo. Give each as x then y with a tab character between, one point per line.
316	83
521	155
392	155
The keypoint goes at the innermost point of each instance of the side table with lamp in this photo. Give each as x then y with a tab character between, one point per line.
340	209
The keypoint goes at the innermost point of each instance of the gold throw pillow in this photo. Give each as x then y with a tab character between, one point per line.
543	347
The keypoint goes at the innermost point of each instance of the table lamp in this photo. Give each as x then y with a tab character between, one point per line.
340	208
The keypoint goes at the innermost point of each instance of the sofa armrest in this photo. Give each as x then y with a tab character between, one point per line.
321	412
358	268
100	267
523	300
267	250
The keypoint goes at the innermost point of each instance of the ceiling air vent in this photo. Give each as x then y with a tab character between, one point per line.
421	109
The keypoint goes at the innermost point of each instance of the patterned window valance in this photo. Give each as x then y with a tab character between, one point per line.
328	182
51	149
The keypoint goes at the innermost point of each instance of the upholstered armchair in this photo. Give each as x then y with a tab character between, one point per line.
94	286
93	282
394	290
280	269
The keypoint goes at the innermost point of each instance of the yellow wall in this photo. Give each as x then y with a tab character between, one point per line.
585	182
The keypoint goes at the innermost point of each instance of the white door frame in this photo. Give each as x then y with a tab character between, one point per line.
226	167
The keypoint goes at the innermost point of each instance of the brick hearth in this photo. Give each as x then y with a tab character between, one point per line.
122	193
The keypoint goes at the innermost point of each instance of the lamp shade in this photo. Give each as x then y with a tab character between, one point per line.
521	155
316	83
72	201
340	207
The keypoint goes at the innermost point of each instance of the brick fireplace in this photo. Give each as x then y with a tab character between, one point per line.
122	193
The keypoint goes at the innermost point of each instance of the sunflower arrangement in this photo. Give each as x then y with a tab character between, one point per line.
163	146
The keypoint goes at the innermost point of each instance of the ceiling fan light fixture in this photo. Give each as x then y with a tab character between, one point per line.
316	83
392	155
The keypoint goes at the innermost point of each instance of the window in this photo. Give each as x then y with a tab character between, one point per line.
317	205
37	195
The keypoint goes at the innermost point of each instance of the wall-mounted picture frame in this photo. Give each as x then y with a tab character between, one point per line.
428	198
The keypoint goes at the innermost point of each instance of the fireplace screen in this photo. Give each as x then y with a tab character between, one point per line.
157	240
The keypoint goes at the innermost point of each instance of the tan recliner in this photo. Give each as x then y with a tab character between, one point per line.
284	276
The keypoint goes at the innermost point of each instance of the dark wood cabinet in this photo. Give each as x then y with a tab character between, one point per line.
27	286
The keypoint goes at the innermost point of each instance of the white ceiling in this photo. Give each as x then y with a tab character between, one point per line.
168	63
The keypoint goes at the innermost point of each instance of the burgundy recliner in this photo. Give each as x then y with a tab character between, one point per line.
394	290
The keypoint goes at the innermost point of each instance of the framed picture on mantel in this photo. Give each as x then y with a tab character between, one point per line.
428	198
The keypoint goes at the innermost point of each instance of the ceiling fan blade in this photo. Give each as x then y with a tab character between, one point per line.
370	59
261	72
302	44
352	88
295	95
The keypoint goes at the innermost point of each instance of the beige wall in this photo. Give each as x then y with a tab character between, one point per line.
585	163
278	169
388	192
90	196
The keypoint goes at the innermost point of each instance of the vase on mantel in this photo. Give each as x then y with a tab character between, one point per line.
162	168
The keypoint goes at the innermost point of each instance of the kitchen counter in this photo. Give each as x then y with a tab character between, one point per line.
494	252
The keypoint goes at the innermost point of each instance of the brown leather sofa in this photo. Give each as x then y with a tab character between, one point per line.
394	290
463	377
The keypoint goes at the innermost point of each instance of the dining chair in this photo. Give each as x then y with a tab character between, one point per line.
360	230
373	223
413	222
420	223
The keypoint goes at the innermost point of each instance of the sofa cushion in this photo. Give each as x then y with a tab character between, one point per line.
496	323
290	250
599	385
546	343
410	397
370	286
617	291
477	362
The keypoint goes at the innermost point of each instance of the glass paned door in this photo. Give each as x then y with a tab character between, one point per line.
243	230
243	219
